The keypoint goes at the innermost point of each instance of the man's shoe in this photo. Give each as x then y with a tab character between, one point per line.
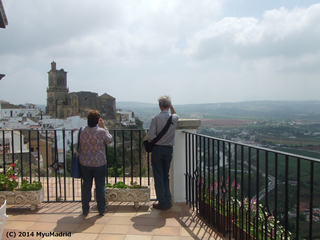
157	206
85	214
170	206
103	213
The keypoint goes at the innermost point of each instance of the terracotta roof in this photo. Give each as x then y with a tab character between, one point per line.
8	106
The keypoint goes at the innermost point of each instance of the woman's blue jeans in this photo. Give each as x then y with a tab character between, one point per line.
99	175
161	161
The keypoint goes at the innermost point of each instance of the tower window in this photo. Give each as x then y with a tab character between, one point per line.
60	81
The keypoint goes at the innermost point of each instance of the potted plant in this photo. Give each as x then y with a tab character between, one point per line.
121	192
28	193
219	201
259	223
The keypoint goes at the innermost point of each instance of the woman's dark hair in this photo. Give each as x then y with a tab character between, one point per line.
93	118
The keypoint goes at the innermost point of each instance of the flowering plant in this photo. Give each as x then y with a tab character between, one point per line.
228	195
224	189
260	219
220	195
253	218
8	182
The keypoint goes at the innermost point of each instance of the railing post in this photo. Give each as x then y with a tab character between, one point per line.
177	170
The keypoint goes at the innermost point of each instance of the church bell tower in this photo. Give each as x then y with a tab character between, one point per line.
57	92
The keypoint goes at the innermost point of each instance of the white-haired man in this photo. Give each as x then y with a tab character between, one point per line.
162	151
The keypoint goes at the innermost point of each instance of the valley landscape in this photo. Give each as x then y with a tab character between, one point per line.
286	125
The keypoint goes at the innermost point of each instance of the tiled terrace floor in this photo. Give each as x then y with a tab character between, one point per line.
122	221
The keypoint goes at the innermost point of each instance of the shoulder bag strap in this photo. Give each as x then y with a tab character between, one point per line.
79	140
163	131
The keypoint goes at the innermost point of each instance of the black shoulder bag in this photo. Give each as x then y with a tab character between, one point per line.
149	145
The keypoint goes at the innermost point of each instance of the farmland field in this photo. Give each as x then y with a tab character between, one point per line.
224	122
291	141
265	132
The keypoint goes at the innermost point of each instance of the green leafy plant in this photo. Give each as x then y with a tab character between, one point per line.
117	185
134	185
34	186
123	185
143	172
8	182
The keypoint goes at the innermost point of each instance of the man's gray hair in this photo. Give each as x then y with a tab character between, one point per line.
164	101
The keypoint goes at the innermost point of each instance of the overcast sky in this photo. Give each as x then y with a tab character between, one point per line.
196	51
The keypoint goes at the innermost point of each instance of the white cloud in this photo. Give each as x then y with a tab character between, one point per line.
104	29
24	86
289	37
137	50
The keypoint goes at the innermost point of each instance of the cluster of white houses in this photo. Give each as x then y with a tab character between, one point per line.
14	118
17	116
29	116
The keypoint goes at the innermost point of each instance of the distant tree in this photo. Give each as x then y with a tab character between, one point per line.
228	137
302	217
143	172
139	123
115	172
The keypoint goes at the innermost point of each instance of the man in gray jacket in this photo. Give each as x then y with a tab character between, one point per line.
162	151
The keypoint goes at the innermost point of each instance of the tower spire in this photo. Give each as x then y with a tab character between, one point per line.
53	66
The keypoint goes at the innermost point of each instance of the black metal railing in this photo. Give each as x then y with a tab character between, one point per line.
46	156
250	192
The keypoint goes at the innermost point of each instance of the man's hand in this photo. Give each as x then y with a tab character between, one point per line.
172	109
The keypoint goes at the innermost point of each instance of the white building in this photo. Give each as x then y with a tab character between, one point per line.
16	147
127	117
71	125
8	110
46	126
13	124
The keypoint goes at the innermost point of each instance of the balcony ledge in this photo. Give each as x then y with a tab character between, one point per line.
188	124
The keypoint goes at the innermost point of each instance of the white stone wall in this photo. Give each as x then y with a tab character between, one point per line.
177	170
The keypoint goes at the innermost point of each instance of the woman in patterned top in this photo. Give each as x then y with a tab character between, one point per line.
93	160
